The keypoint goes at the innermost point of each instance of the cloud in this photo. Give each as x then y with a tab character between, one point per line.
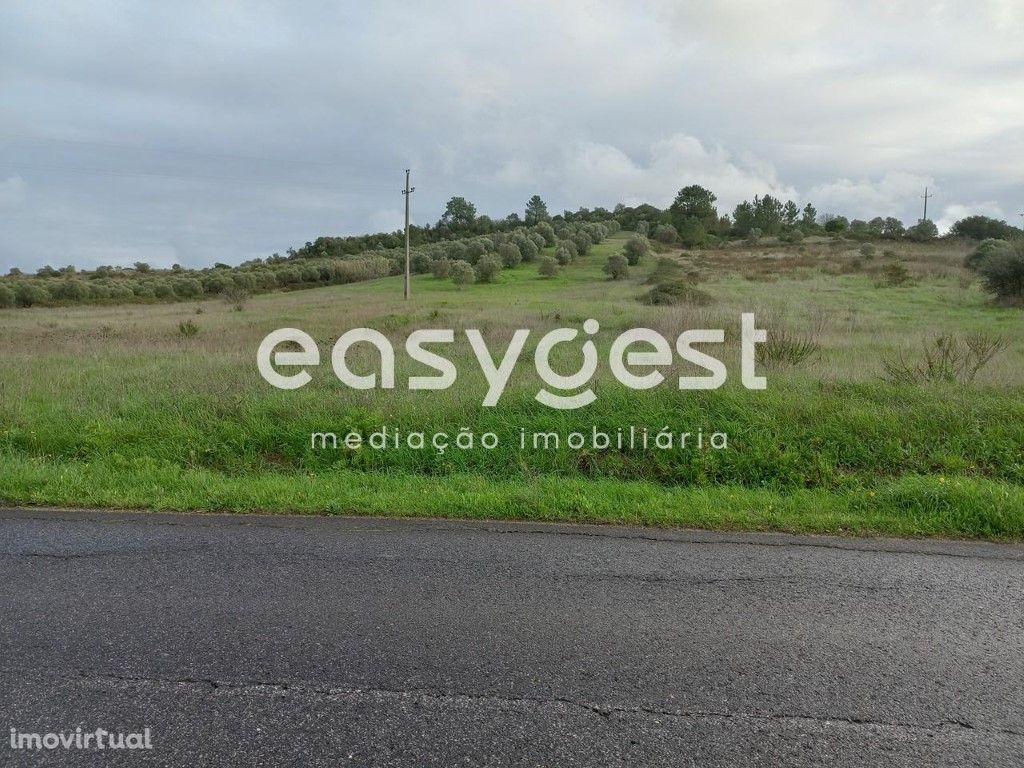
953	213
252	127
866	198
12	190
595	173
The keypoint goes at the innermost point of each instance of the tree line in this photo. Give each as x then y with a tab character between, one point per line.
461	235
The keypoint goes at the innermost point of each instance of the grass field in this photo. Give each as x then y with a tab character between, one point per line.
112	406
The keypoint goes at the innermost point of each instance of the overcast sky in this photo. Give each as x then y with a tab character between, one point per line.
220	131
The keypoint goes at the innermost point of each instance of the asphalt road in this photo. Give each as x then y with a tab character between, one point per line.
299	641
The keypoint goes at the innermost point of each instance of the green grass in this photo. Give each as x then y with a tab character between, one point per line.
111	406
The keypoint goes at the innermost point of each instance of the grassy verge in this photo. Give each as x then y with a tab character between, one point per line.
911	505
112	407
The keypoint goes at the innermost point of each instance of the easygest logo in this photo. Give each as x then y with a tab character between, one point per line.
634	359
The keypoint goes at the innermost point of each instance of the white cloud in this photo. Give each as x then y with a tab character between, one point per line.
866	198
953	213
603	174
12	190
852	106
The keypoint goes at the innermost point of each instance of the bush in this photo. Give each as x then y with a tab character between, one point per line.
784	348
162	290
793	235
1003	272
867	250
529	250
69	290
894	275
617	267
510	255
187	288
984	227
570	246
187	329
946	358
6	297
636	248
487	269
441	269
461	273
836	224
420	263
563	256
473	251
548	267
30	294
677	291
923	231
984	250
583	243
546	231
753	236
666	234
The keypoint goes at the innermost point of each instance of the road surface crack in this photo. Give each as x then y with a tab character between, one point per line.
604	711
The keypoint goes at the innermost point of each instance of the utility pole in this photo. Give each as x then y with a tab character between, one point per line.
925	197
407	191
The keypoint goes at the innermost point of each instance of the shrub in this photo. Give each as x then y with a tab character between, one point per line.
1003	272
784	348
867	250
30	294
510	254
983	227
548	267
792	235
547	232
563	256
583	243
947	358
143	290
187	329
187	288
836	224
441	269
473	251
617	267
984	249
6	297
236	297
162	290
69	290
894	275
528	249
666	234
677	291
487	269
636	248
570	246
461	273
420	263
753	236
923	231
